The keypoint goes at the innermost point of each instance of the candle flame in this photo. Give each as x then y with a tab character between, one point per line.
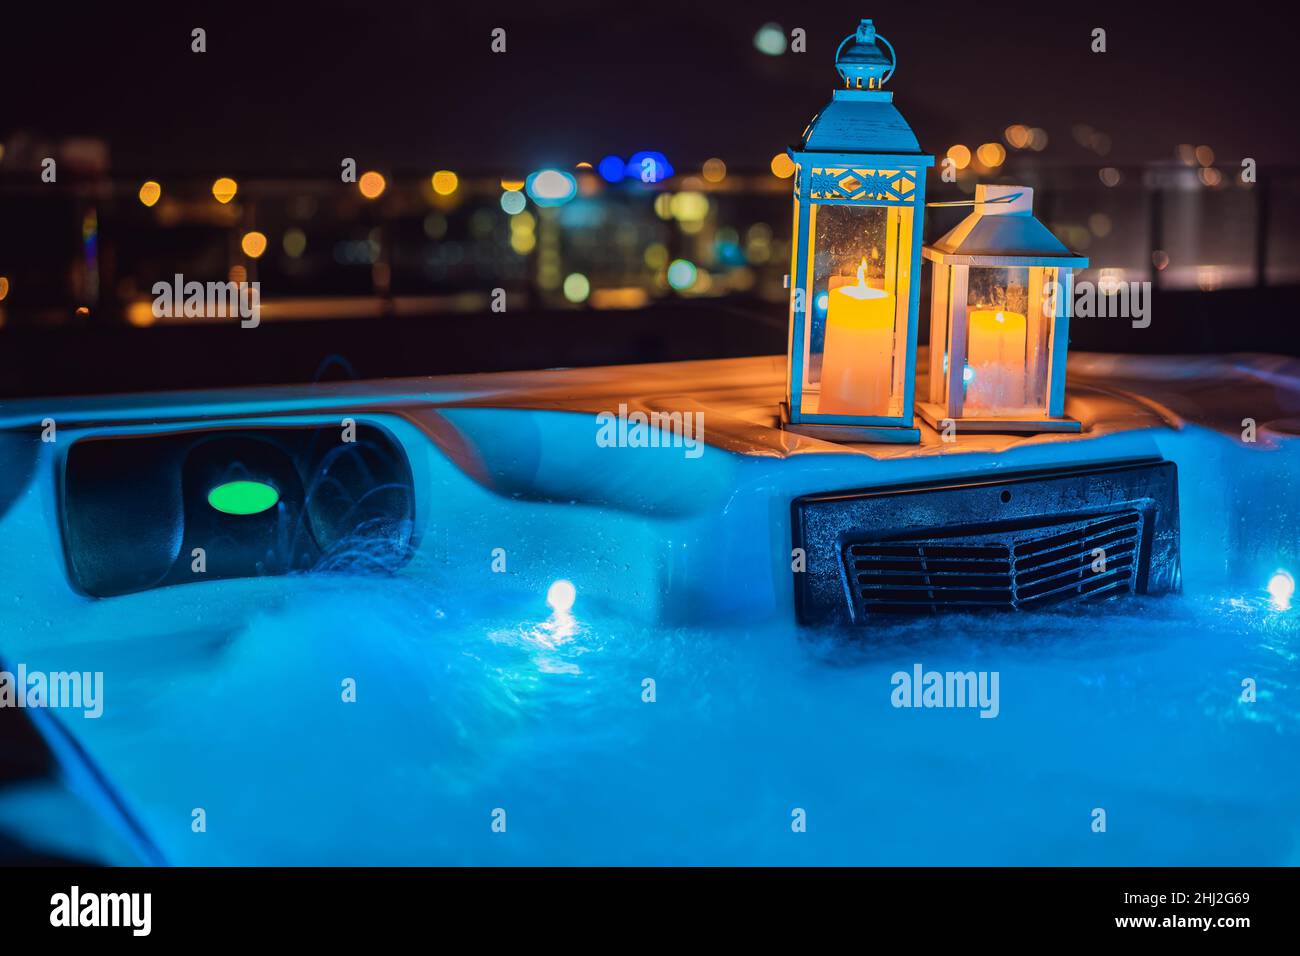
862	273
1000	317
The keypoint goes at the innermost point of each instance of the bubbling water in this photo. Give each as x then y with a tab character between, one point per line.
465	703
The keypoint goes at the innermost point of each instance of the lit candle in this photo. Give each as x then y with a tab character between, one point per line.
995	352
857	360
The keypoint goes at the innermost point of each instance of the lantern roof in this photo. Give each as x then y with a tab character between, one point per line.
861	117
860	121
1002	231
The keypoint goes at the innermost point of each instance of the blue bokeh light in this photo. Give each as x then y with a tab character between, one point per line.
648	166
611	169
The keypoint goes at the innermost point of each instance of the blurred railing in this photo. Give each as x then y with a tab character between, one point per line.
87	251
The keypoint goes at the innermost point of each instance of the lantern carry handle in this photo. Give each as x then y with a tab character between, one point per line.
976	202
893	57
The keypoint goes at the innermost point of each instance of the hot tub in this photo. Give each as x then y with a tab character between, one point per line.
589	652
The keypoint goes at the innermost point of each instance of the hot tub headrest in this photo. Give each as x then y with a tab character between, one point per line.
143	511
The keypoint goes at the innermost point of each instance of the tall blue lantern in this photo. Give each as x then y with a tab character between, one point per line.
859	194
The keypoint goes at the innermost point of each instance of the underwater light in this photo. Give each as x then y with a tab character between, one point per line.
243	497
560	596
1281	588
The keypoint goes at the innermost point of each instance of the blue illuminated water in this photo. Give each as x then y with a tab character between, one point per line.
474	696
466	707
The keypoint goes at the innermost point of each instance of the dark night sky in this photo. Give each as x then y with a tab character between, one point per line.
408	85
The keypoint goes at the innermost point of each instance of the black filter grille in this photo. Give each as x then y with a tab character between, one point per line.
1020	565
1010	541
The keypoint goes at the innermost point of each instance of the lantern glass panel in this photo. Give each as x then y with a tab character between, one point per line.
1009	316
857	297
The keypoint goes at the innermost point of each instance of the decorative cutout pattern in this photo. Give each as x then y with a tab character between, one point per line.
862	185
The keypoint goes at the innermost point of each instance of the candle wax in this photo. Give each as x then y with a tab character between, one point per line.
857	363
995	352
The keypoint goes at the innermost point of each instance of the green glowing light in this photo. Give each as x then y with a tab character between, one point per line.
243	497
682	274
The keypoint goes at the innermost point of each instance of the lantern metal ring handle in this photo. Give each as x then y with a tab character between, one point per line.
866	33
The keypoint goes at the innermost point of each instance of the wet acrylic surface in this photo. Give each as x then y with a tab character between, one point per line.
464	709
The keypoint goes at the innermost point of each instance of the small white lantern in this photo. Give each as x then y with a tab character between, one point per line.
999	320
